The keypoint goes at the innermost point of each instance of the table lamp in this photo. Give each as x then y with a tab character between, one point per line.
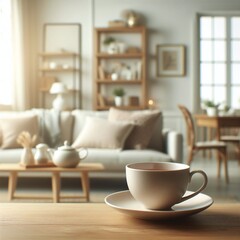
59	89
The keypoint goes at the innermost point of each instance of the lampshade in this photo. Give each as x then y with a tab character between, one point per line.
58	88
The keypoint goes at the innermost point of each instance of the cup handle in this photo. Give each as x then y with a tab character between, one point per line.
201	188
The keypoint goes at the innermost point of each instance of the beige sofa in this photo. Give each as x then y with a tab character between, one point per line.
164	144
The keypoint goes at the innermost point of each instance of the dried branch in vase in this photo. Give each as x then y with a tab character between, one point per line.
26	140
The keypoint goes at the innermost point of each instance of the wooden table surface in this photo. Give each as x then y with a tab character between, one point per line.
98	221
83	169
217	122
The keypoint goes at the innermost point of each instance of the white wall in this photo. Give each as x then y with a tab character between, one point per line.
67	11
168	21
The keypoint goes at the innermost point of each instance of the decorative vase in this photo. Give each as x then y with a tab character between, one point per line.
121	47
132	20
112	48
118	101
212	111
126	73
27	157
114	76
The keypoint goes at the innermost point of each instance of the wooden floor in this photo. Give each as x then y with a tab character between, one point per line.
100	188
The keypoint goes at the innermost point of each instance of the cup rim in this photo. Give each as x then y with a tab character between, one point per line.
180	166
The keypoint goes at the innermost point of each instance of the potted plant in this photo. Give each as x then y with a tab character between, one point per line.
224	109
118	93
111	44
109	40
210	107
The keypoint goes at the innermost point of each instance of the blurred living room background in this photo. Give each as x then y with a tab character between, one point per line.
207	33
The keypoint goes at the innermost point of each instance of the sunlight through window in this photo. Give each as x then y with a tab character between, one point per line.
219	45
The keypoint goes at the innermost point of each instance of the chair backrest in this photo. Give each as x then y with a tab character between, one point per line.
189	125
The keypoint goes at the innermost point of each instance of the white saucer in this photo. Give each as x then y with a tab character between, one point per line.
124	202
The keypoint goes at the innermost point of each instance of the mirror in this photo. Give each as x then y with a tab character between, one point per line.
61	60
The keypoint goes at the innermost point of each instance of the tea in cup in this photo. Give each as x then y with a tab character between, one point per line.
159	186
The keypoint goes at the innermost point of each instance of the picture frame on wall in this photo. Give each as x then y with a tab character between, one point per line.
171	60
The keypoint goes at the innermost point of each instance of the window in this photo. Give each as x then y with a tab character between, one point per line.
219	53
6	88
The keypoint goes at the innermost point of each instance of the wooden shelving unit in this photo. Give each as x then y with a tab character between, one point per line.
60	61
53	74
103	83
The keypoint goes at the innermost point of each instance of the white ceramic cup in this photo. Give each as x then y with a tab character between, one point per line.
161	185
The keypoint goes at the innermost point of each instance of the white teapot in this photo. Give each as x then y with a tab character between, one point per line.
67	156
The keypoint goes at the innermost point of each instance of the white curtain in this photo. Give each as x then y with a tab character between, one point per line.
21	79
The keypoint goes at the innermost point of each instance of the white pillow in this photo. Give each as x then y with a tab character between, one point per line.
101	133
12	126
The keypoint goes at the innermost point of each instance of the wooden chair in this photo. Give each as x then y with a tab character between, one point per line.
232	139
194	147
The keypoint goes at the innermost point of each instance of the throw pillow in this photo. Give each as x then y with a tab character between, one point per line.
101	133
144	124
12	126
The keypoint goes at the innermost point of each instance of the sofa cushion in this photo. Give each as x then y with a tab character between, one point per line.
101	133
107	157
146	155
11	155
116	161
6	114
144	123
80	117
12	126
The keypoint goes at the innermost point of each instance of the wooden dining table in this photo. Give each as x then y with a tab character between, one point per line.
217	122
91	221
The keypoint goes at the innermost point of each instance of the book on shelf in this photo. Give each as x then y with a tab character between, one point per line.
116	23
139	70
101	72
101	100
133	101
46	83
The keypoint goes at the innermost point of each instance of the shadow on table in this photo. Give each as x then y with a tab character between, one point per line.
208	221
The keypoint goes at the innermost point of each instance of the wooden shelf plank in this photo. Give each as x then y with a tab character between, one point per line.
58	54
122	55
106	81
58	69
122	107
69	90
137	29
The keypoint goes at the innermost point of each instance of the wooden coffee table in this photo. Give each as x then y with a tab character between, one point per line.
48	221
83	169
